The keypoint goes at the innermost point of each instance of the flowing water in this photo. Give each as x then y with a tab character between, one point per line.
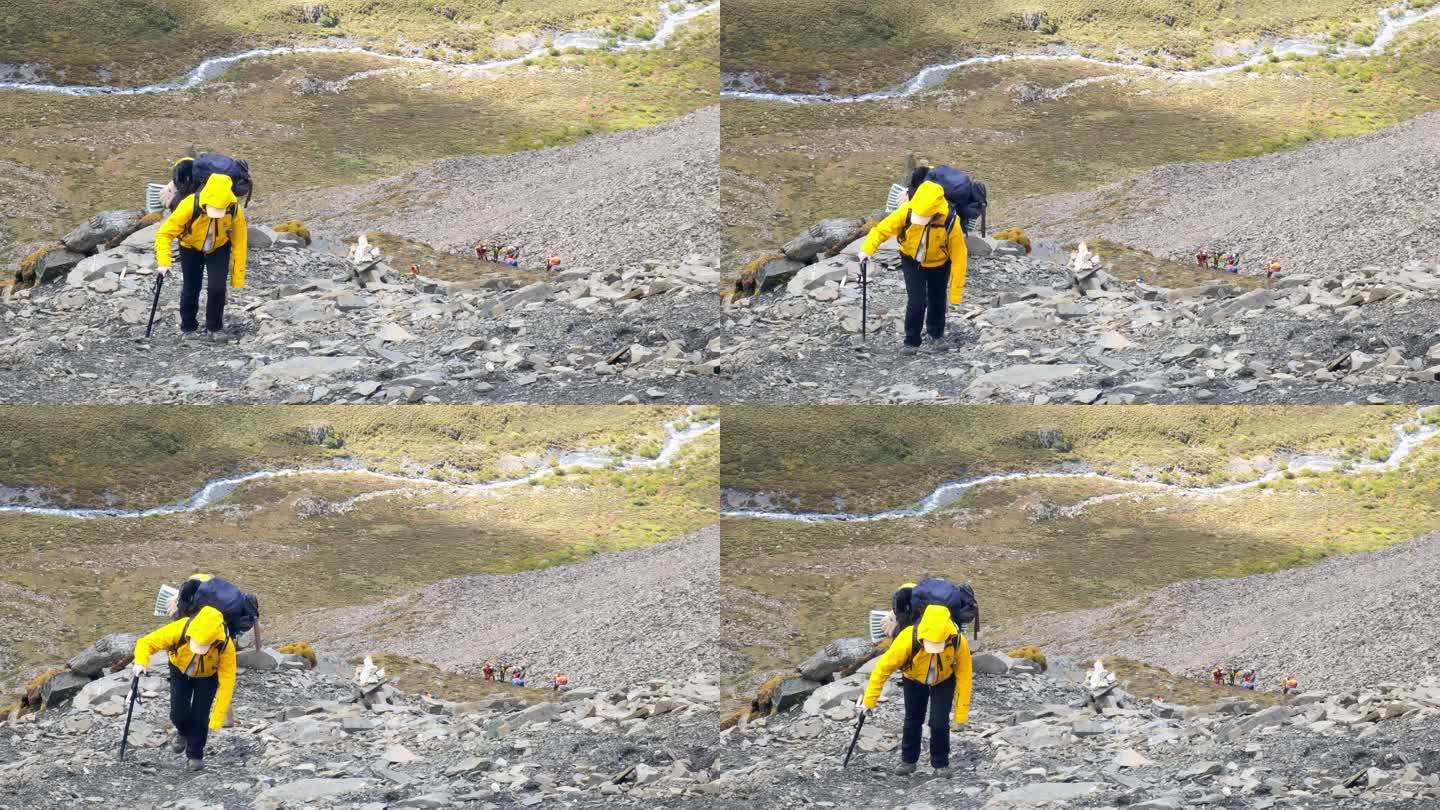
1409	435
215	490
670	22
1392	22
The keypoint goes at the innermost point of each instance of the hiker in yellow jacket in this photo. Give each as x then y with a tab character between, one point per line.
932	258
202	677
934	661
213	237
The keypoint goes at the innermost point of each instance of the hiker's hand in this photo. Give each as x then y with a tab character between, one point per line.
161	271
860	707
138	669
862	256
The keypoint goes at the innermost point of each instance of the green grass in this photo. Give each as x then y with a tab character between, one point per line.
878	457
99	152
860	45
823	578
268	537
151	40
792	165
147	455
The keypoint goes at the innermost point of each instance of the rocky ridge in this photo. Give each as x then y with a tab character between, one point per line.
610	201
321	737
1322	209
1073	740
658	604
311	325
1039	331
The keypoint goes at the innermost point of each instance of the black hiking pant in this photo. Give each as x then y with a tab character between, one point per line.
190	701
216	269
927	291
941	701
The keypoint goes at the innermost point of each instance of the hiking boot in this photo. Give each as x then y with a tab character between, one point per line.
910	351
194	765
177	744
190	335
942	772
905	769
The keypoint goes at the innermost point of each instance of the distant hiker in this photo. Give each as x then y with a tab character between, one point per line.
1201	259
1214	260
1247	679
1271	271
504	672
213	235
518	678
414	269
553	263
559	682
202	677
482	251
488	672
1230	266
934	660
1231	676
1219	676
932	247
1290	685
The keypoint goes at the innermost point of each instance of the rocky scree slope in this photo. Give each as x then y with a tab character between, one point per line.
609	202
1053	740
613	620
313	326
1037	331
324	737
1345	622
1367	200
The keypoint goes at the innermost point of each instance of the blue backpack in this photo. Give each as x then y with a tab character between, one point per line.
967	197
958	599
240	609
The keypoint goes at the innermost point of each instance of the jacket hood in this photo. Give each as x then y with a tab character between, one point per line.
928	201
935	624
219	191
208	626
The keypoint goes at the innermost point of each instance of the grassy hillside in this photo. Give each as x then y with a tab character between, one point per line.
878	457
135	41
137	455
859	45
793	586
65	581
63	158
788	166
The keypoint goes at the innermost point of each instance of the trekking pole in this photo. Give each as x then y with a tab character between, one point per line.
853	740
864	302
159	279
134	696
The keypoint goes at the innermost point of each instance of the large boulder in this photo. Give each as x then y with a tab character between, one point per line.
767	271
50	265
843	655
143	239
302	369
60	687
103	690
828	236
820	274
991	663
95	267
105	227
791	692
102	656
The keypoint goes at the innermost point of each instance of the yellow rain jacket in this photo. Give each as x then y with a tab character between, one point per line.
192	229
939	246
953	661
208	627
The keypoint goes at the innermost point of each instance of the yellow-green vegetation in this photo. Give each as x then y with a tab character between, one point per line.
1030	653
1147	681
300	648
877	457
33	689
1131	263
25	273
402	253
98	152
135	456
823	578
863	45
806	163
415	676
151	40
291	540
296	227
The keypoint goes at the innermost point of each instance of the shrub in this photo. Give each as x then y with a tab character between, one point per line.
1030	653
296	227
300	648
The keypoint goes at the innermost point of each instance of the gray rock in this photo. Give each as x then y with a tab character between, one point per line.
1026	375
818	275
791	692
824	237
105	654
298	369
261	660
305	790
92	268
840	655
61	687
1045	793
104	227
